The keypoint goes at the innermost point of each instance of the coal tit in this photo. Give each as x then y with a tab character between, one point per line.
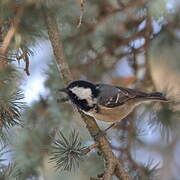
107	102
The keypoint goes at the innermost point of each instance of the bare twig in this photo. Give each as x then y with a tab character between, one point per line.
104	146
90	148
13	28
81	14
10	34
25	57
55	39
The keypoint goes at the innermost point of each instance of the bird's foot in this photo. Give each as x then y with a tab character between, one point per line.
103	133
110	127
99	134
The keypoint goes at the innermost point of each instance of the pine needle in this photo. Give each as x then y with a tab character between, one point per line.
67	152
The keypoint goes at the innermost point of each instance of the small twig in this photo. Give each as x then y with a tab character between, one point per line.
89	148
101	19
24	56
55	38
82	2
26	60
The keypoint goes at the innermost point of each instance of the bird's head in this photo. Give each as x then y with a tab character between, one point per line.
82	93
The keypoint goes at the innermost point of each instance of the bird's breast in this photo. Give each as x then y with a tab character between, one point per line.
110	114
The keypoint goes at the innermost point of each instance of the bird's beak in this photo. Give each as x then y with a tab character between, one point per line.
64	90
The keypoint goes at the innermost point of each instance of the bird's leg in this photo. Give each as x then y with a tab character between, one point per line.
111	126
97	108
103	133
99	134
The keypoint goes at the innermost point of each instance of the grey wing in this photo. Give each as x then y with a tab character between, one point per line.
112	96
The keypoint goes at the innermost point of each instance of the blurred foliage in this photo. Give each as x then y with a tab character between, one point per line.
7	172
148	171
11	100
142	34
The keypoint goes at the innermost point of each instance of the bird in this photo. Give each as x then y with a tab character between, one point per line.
107	102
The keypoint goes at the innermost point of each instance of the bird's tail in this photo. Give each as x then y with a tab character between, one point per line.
155	96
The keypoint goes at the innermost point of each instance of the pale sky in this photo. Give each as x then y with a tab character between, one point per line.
33	85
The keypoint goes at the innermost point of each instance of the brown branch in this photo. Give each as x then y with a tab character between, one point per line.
13	28
118	171
104	146
55	38
25	57
89	148
10	34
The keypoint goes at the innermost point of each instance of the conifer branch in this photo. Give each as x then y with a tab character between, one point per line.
10	34
89	148
111	160
67	152
55	38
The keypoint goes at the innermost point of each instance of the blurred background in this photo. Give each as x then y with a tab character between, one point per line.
130	43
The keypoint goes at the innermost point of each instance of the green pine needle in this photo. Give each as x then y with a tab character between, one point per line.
10	109
166	119
67	152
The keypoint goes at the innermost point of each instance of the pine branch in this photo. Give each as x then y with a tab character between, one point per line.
67	152
55	39
11	101
111	161
10	34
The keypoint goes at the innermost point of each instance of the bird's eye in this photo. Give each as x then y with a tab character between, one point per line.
76	97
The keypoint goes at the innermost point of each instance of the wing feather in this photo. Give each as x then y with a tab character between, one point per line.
111	96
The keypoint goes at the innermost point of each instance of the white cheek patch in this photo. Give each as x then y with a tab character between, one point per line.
83	93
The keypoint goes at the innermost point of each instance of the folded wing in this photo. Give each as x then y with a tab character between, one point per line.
111	96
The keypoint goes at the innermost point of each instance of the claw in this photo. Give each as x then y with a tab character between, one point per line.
99	134
103	133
